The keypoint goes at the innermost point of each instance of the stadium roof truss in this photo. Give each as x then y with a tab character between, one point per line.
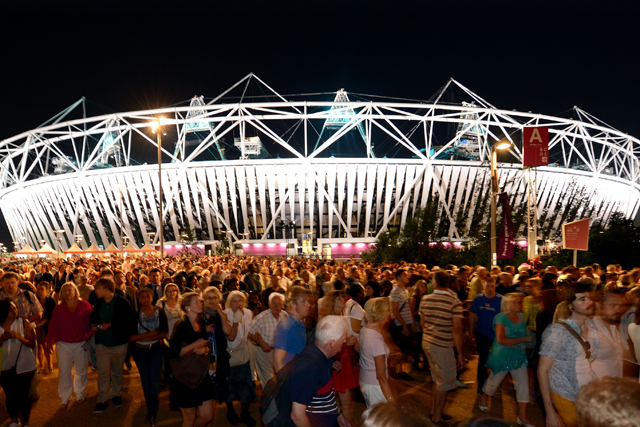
90	149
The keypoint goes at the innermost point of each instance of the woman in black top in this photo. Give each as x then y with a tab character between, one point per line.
42	328
197	405
218	327
150	326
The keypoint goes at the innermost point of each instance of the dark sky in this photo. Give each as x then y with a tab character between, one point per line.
539	56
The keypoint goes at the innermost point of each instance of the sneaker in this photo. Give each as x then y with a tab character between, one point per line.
100	407
117	401
14	425
406	377
461	384
93	368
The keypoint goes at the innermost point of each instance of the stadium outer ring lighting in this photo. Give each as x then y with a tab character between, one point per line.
62	175
501	145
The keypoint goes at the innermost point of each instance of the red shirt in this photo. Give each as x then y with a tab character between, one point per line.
70	327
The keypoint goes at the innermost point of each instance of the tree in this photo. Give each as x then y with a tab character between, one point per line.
189	242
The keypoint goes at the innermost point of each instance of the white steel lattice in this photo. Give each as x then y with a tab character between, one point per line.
69	175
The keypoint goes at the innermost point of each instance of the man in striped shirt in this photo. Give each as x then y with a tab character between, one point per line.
441	321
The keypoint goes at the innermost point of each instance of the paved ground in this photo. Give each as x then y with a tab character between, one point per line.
462	404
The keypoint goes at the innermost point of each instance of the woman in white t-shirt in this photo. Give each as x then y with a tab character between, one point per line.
634	334
18	339
374	353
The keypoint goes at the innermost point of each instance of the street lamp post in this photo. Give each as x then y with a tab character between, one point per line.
58	239
121	225
155	125
494	195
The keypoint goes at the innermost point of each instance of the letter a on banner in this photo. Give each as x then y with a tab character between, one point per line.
535	146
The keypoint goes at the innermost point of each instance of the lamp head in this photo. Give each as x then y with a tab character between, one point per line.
155	124
502	145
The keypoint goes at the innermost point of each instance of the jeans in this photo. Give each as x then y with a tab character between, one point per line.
16	389
484	348
149	362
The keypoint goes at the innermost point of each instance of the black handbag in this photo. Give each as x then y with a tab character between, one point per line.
190	369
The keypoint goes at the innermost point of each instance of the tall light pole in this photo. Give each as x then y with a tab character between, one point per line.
494	195
58	239
121	224
156	125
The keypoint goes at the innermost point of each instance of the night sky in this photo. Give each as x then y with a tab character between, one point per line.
539	56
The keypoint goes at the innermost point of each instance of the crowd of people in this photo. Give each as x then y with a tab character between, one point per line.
213	327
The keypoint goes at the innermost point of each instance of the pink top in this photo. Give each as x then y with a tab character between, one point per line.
70	327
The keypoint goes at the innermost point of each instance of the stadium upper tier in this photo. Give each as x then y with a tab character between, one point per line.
279	169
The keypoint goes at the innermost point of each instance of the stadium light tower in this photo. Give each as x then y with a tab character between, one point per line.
156	125
494	195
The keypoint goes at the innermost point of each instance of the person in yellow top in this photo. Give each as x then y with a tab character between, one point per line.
475	287
532	303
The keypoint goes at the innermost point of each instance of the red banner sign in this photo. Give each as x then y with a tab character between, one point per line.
535	146
575	235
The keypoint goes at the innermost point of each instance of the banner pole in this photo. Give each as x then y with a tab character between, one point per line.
575	257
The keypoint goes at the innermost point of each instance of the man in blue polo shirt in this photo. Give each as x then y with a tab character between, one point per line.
482	311
313	400
290	337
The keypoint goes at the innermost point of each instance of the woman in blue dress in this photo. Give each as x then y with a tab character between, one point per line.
508	355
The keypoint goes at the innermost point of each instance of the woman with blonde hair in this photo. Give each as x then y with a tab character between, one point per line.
240	377
69	330
508	355
190	336
374	353
169	304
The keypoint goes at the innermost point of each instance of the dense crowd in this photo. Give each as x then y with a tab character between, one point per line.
318	335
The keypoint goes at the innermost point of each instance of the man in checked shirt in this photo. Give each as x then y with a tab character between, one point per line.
261	332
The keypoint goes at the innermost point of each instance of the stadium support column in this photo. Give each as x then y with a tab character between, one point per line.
495	183
156	126
532	214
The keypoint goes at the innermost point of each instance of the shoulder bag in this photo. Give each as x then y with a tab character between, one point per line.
585	344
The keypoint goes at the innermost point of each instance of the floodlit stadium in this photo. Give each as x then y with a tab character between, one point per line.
330	170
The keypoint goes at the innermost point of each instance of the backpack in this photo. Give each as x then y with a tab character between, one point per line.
275	403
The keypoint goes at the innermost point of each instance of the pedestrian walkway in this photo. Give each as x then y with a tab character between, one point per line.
461	405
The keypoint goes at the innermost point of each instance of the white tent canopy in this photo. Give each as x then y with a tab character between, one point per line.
111	249
74	249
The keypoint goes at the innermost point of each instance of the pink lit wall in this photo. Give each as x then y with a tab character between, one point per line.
345	250
266	249
173	250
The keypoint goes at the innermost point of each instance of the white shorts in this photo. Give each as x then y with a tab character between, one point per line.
372	394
